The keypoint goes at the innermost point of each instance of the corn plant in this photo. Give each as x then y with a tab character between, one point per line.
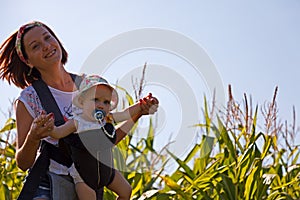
11	176
234	160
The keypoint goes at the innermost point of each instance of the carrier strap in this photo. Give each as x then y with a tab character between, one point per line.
47	150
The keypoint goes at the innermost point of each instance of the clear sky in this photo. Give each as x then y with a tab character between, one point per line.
254	45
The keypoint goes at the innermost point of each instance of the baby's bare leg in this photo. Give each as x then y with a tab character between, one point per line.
120	186
84	192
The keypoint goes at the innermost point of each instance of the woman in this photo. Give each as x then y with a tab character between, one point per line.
34	52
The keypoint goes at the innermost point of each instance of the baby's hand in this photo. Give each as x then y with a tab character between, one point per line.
148	104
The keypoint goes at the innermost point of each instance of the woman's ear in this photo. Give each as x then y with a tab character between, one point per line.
29	64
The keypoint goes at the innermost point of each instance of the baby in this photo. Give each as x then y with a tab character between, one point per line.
92	153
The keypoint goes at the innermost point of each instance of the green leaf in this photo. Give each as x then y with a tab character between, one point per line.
150	137
174	186
229	187
137	183
206	147
9	125
183	165
225	139
253	177
127	95
206	115
192	153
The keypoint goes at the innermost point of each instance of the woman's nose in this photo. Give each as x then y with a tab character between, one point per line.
46	46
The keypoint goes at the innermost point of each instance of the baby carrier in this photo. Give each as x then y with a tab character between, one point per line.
71	149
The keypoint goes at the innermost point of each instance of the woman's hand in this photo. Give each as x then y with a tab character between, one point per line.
41	127
29	134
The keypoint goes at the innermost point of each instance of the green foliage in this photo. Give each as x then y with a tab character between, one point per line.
232	160
11	176
248	164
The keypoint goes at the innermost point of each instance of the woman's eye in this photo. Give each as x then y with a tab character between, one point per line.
35	46
47	37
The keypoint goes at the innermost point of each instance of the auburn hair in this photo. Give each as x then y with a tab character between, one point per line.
13	69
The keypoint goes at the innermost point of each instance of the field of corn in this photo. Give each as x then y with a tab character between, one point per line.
238	157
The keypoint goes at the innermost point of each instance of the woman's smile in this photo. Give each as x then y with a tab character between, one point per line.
51	53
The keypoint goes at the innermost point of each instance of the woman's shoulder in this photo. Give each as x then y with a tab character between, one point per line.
28	91
31	101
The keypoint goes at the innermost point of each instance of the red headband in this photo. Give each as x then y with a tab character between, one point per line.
20	35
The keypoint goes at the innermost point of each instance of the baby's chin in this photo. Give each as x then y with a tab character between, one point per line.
89	118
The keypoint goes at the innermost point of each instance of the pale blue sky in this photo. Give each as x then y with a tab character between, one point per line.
255	45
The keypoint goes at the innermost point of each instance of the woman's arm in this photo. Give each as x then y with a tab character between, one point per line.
29	134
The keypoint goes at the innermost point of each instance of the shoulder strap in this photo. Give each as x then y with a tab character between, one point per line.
35	175
76	79
48	101
60	154
47	150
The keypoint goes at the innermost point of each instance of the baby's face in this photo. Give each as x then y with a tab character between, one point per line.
97	97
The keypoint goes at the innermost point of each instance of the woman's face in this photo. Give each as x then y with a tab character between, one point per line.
42	48
97	97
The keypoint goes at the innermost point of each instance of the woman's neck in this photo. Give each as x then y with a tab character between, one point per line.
59	79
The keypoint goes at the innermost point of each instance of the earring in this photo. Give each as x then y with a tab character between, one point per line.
29	73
